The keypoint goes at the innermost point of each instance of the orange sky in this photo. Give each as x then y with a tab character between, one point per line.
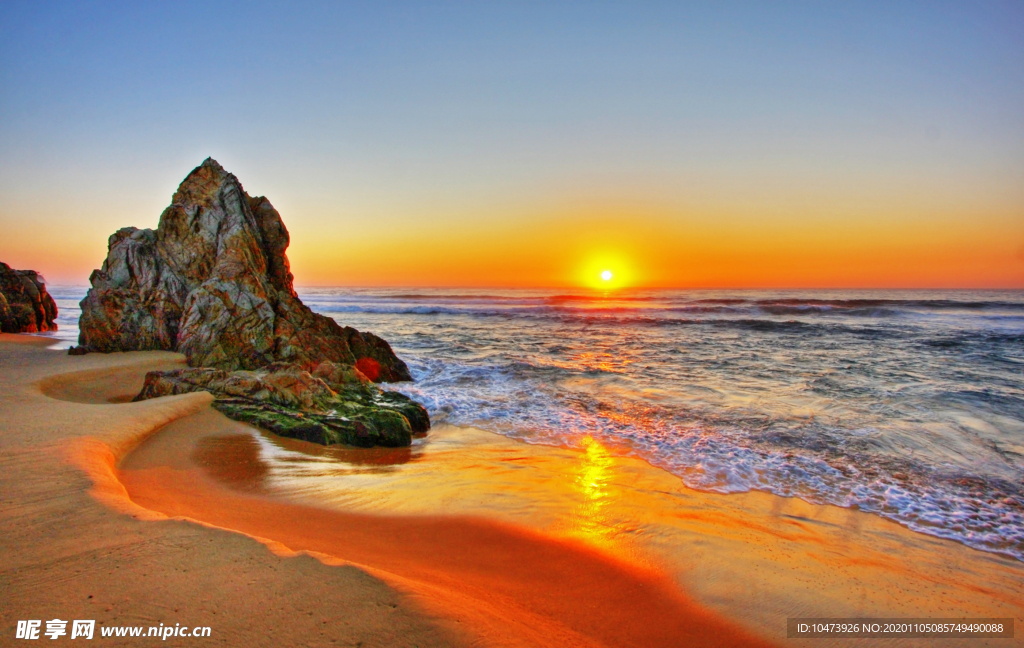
565	242
657	246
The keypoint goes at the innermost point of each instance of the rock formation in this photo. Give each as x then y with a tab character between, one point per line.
334	404
213	282
25	306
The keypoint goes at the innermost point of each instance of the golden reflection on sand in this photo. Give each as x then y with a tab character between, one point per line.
588	519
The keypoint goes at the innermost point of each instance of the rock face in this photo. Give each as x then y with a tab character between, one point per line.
25	306
334	404
213	282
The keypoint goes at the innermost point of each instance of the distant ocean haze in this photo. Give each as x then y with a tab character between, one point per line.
909	404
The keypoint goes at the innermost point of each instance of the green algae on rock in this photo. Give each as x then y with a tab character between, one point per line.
333	405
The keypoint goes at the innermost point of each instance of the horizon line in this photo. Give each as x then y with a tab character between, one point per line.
591	289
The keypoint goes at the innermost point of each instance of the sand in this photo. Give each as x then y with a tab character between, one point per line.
163	511
72	546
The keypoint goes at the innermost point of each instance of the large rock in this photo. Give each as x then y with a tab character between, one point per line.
213	282
25	306
334	404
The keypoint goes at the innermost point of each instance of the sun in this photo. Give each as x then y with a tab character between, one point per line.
605	271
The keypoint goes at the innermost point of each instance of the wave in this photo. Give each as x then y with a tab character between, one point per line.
851	304
459	297
927	304
616	317
604	298
334	309
722	452
488	304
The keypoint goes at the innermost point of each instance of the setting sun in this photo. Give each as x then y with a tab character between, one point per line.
603	268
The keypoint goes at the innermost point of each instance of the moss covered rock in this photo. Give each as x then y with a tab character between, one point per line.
334	404
367	428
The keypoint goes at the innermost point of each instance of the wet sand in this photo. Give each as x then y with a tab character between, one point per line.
754	557
162	539
510	586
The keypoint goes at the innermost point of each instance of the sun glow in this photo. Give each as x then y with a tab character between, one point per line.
605	270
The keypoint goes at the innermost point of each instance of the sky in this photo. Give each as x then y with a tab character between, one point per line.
687	145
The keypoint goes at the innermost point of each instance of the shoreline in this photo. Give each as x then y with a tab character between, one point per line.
493	622
760	537
945	468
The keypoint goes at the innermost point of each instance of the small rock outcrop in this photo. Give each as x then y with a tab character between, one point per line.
25	306
213	282
334	404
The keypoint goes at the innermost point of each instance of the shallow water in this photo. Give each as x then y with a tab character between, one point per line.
906	404
754	557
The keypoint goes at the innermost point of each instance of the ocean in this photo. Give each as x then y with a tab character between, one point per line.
906	404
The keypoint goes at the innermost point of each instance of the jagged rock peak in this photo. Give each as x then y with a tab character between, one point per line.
213	282
25	306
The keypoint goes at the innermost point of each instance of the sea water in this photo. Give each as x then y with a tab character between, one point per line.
908	404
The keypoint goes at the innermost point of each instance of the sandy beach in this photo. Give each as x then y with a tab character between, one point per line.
75	547
79	545
163	512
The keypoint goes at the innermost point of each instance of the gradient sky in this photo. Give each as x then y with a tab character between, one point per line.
709	144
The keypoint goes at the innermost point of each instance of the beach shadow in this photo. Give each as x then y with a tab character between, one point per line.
112	385
233	460
364	457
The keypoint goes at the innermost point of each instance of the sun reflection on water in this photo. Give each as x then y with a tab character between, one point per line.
589	519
